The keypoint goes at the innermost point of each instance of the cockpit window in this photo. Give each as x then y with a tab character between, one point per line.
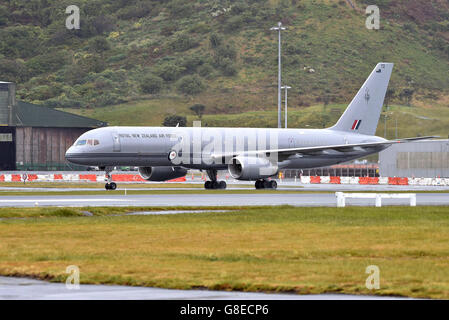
80	143
90	142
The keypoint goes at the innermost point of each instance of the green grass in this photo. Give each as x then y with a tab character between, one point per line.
273	249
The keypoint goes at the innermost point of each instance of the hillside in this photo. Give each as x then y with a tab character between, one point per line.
164	56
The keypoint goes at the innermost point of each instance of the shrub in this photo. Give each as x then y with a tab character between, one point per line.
228	67
173	121
99	44
45	63
215	40
183	42
205	70
225	51
198	109
169	71
191	85
191	63
151	84
20	41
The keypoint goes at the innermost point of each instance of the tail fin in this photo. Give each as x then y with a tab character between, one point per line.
362	114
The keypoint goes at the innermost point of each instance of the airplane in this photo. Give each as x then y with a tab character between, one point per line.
251	154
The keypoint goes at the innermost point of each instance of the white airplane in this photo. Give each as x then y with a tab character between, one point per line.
164	153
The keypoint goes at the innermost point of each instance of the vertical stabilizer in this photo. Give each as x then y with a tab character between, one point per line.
362	114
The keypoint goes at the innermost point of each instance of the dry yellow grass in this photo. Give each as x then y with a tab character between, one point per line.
303	250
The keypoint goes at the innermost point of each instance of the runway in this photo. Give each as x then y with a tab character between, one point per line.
30	289
207	199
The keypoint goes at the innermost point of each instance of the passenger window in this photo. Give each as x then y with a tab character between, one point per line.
96	142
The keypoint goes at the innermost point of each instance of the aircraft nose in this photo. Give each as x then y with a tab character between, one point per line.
69	154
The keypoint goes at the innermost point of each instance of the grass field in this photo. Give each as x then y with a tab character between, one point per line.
282	249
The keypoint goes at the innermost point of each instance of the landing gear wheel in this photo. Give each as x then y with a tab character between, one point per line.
265	184
215	185
110	186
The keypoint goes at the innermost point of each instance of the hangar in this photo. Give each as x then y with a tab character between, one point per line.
34	137
420	159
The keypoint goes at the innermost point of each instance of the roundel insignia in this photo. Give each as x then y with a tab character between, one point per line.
172	155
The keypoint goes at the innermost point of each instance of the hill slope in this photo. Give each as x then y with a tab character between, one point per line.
220	53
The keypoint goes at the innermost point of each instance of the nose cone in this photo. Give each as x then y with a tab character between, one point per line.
70	155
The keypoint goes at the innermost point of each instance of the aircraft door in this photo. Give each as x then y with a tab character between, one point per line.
115	142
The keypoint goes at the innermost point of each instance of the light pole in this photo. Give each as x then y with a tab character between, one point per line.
279	28
286	89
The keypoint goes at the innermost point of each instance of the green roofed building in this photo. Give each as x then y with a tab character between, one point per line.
34	137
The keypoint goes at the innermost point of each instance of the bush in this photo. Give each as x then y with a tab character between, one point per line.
191	63
13	70
20	41
191	85
205	70
99	44
180	8
215	40
173	121
225	51
169	71
43	92
234	23
138	10
228	67
151	84
183	42
45	63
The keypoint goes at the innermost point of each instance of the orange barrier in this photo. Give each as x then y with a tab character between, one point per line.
90	177
58	177
16	177
32	177
398	181
127	177
368	180
334	180
315	179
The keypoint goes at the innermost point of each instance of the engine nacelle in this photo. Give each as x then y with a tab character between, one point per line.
161	173
251	168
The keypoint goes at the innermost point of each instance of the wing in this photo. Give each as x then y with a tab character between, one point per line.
284	153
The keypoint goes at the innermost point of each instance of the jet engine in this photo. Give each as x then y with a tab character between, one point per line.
251	168
161	173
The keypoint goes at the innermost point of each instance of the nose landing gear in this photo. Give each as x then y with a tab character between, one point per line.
109	184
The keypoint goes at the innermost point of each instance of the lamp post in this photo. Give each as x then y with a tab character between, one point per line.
286	89
279	28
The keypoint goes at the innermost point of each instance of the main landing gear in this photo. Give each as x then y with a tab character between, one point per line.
213	183
109	184
265	184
